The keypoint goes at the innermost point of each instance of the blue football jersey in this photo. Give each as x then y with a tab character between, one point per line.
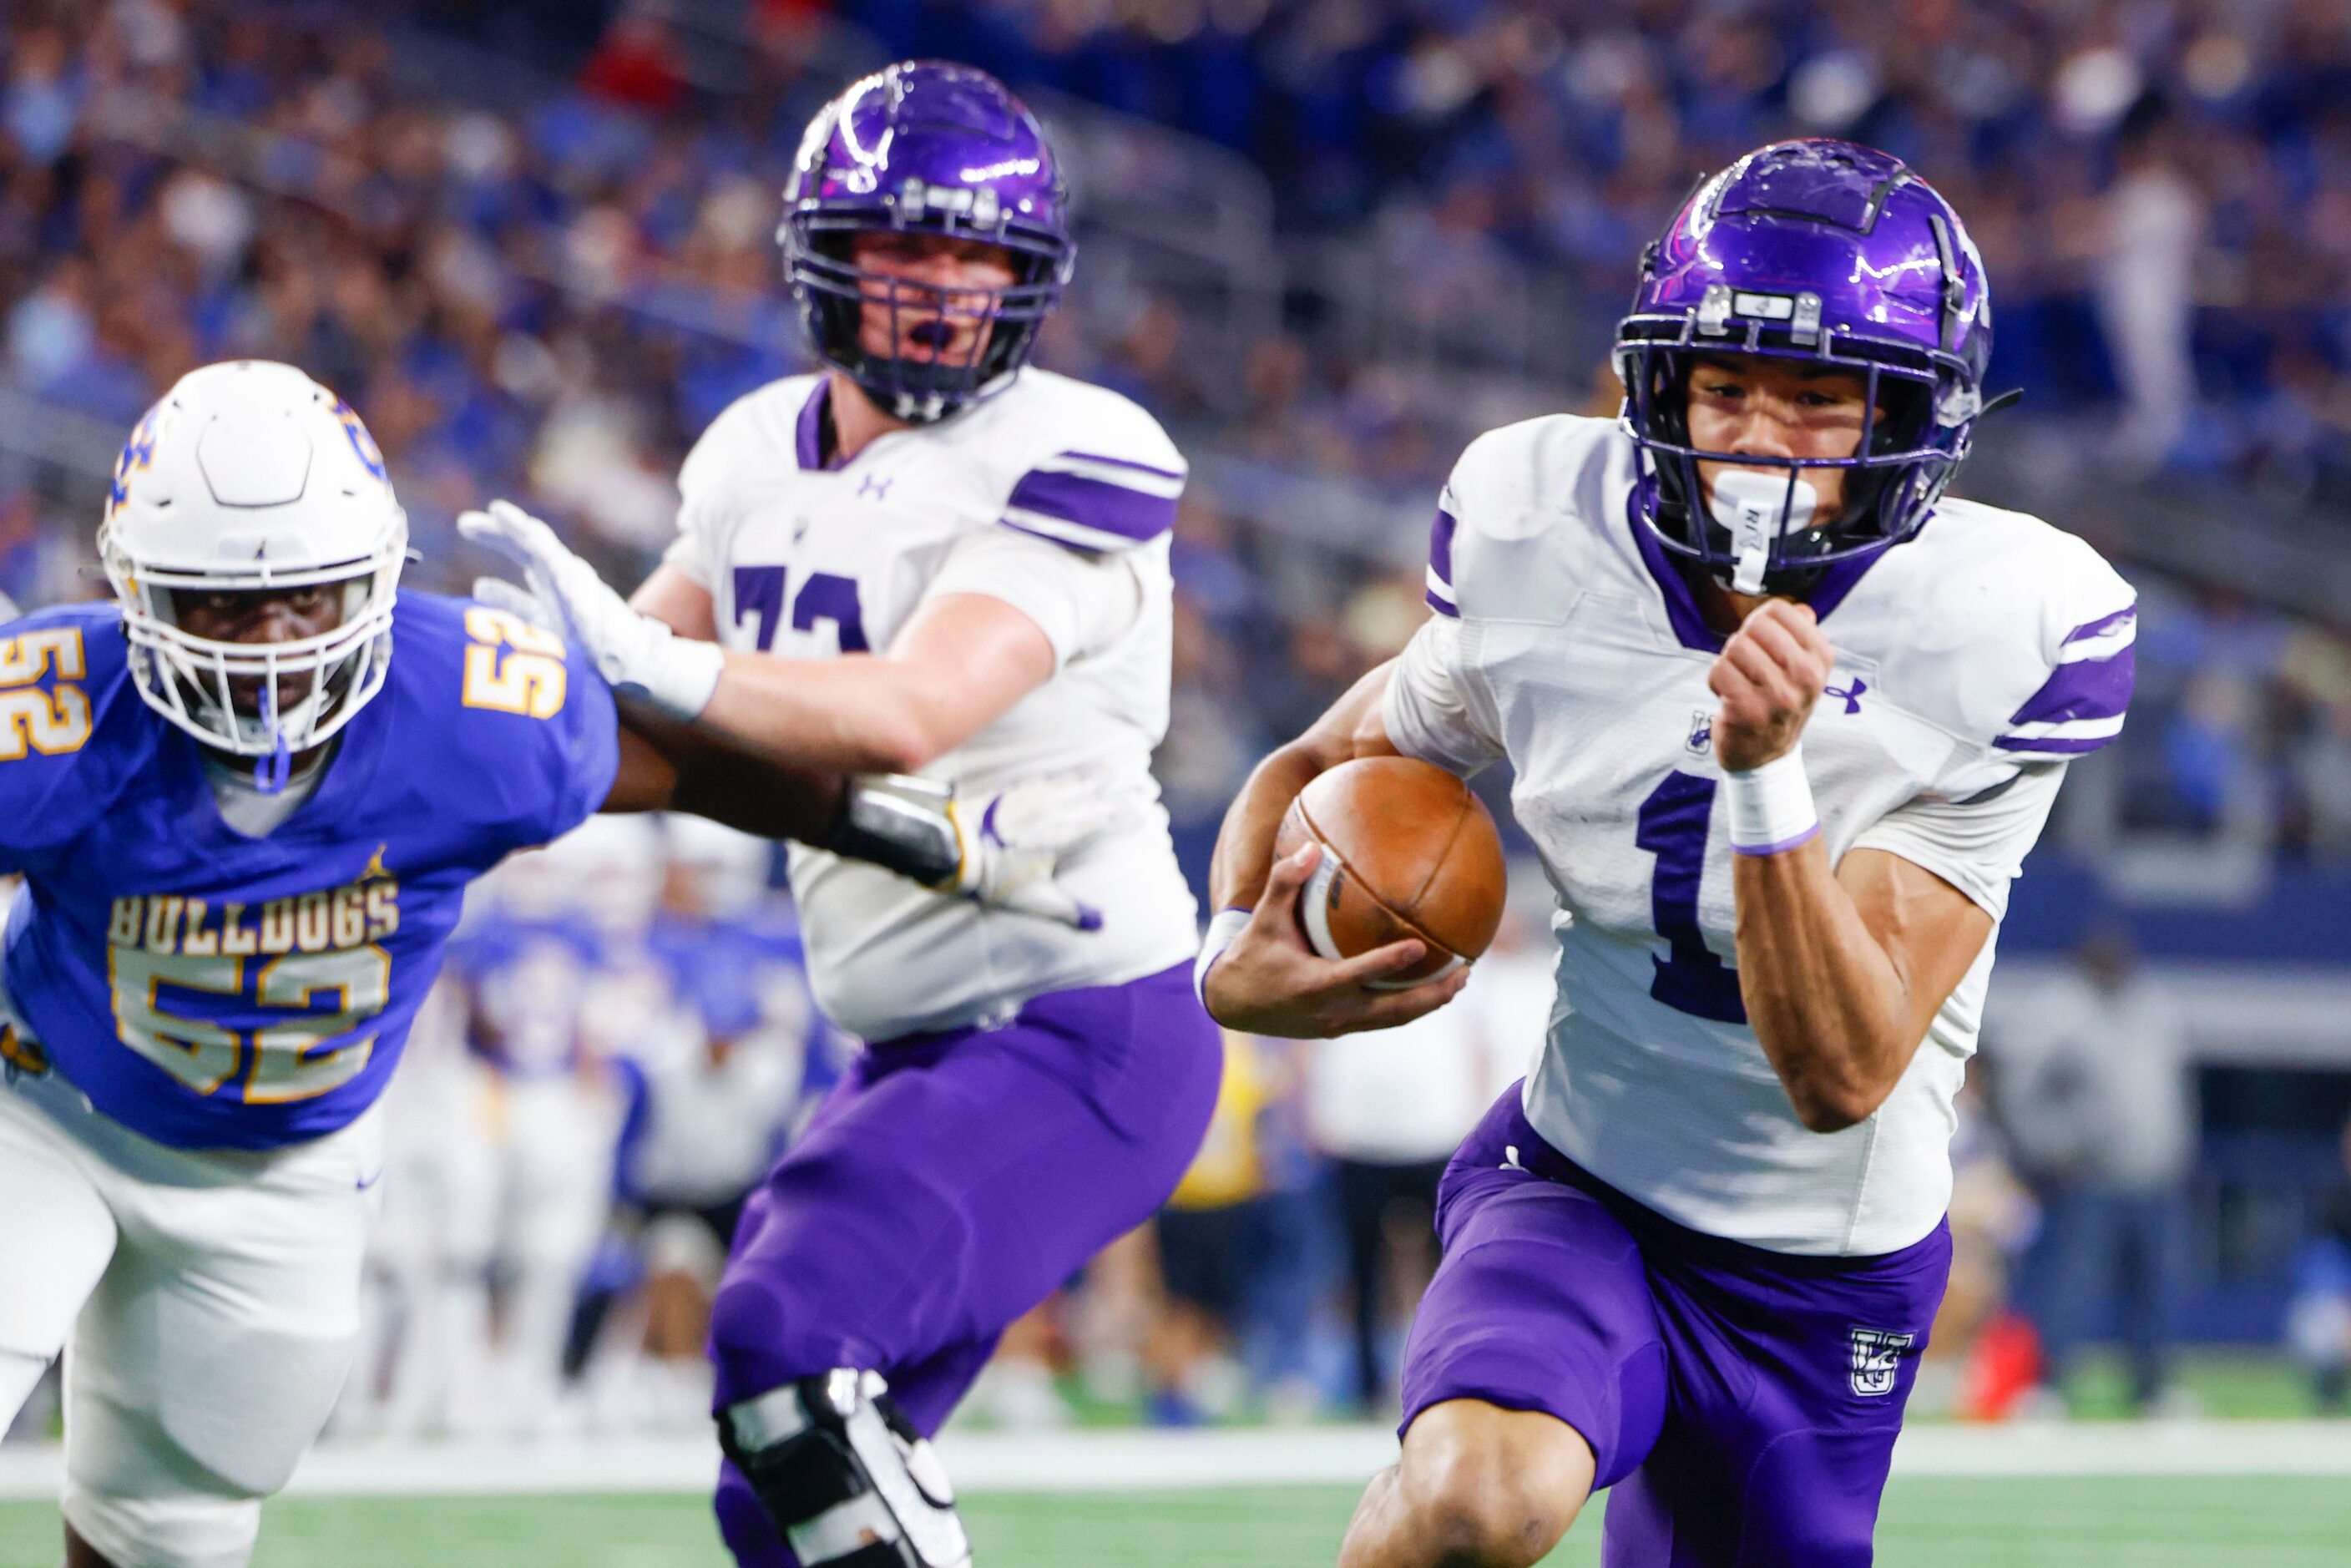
211	990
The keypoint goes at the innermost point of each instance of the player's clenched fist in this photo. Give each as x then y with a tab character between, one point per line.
1271	982
1768	675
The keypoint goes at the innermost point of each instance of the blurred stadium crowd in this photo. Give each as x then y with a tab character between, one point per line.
532	244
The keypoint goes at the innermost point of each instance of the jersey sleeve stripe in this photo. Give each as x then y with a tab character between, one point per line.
1440	546
2054	745
1439	595
1128	515
2082	689
1077	536
2118	627
1076	461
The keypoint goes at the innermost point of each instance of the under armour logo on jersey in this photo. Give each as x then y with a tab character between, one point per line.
874	487
1852	694
1510	1160
1701	733
1876	1357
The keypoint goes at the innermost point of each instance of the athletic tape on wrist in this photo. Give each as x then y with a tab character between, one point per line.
1223	931
1772	807
687	677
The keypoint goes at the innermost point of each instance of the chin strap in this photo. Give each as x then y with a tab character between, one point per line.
271	771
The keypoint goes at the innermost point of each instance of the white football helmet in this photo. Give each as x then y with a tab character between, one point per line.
250	476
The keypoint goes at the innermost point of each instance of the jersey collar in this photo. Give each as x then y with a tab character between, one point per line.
1838	579
808	432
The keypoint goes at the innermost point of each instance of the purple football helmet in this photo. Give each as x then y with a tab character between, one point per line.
1825	253
926	147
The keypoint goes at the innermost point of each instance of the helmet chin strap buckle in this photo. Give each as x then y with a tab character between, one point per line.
1758	508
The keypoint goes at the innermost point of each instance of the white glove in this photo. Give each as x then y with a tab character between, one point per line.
1014	843
1000	850
635	654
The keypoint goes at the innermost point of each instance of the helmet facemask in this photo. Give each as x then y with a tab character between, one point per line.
926	147
835	294
233	696
1905	456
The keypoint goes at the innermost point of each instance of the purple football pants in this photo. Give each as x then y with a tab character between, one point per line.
948	1184
1742	1403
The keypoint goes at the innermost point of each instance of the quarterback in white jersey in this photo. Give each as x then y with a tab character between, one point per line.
1784	723
930	558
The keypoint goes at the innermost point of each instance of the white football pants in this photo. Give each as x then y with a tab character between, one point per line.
207	1304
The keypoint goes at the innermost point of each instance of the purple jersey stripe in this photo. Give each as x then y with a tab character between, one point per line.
1072	540
2103	624
1440	546
1124	463
808	431
1095	504
2054	745
2086	688
1440	606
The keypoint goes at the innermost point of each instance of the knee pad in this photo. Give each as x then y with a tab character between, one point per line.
172	1527
845	1477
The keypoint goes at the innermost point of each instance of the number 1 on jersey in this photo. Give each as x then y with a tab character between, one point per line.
1691	977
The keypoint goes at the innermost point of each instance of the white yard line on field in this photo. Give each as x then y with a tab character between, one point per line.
1160	1462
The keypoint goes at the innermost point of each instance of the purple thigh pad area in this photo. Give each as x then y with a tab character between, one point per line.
947	1186
1743	1404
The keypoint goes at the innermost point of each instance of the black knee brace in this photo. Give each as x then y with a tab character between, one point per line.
845	1477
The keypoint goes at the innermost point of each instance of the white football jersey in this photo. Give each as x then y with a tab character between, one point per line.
1972	662
1057	497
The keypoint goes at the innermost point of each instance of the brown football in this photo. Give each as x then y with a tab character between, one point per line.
1407	851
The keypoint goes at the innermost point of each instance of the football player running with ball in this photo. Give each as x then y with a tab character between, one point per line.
929	557
245	821
1784	722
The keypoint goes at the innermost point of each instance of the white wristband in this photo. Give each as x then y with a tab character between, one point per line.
676	675
1771	806
1223	931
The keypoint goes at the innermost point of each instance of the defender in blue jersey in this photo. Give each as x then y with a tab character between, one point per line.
245	829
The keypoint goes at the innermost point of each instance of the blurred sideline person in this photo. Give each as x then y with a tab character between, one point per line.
1696	1258
709	1103
2097	1091
929	557
2318	1314
1388	1110
245	828
1209	1237
534	962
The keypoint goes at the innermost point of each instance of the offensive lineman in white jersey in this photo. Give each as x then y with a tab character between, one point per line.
930	558
1697	1256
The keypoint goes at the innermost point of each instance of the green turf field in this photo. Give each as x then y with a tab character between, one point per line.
2168	1522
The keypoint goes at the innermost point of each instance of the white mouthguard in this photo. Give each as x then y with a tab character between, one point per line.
1751	504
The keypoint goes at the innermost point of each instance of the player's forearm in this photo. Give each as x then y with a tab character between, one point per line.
1244	854
860	713
1826	1002
669	766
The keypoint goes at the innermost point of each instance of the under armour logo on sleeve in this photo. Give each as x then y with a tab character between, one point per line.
1852	694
